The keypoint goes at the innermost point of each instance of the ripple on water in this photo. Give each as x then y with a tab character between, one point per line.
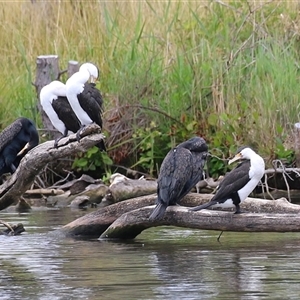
162	263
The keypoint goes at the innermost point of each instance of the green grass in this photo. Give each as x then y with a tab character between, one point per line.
227	71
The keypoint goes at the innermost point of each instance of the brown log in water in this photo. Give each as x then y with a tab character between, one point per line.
130	217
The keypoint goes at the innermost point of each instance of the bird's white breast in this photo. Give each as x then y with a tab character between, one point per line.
256	172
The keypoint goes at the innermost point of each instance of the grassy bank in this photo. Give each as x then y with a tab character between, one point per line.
227	71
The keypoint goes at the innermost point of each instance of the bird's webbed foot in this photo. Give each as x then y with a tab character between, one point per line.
238	210
78	133
56	141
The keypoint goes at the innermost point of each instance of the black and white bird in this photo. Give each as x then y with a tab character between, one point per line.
181	169
15	141
84	98
58	109
239	182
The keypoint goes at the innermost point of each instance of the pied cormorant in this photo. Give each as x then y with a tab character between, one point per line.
181	169
239	182
85	99
15	141
58	109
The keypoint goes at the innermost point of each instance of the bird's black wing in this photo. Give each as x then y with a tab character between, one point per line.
233	181
95	93
198	148
9	133
199	159
229	186
91	101
175	171
66	114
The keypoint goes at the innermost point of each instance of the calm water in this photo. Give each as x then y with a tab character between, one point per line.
162	263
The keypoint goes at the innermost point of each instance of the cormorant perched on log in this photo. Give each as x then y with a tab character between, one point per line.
84	98
15	141
181	169
58	109
239	182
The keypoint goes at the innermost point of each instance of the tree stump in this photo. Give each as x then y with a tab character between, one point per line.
47	70
73	67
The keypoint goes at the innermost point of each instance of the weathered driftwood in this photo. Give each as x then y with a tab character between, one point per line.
123	188
130	224
39	156
12	229
94	193
45	192
78	185
95	223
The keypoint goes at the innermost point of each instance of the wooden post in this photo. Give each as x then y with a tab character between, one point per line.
47	70
73	67
297	143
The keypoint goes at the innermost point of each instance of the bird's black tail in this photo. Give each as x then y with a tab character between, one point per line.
158	212
206	205
101	146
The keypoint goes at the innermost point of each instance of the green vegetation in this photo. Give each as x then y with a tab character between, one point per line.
227	71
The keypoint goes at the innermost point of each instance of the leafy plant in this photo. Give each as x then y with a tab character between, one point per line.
149	147
92	160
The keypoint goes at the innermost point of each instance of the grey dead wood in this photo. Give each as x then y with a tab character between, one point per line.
73	67
130	188
132	223
94	193
95	223
38	157
136	212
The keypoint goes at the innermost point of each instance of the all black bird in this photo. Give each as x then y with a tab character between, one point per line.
84	98
181	169
15	141
58	109
239	182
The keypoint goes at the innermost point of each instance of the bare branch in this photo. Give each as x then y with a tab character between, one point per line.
39	156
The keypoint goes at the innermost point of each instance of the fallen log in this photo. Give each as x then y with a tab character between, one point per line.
95	223
38	157
44	192
123	188
131	224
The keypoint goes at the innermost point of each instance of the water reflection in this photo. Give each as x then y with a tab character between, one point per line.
165	263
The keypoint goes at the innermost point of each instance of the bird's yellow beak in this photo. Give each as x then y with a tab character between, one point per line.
236	157
23	150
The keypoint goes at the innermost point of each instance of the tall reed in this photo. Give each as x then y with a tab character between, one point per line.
225	70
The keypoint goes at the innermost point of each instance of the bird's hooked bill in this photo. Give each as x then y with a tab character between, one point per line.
93	79
23	149
238	156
